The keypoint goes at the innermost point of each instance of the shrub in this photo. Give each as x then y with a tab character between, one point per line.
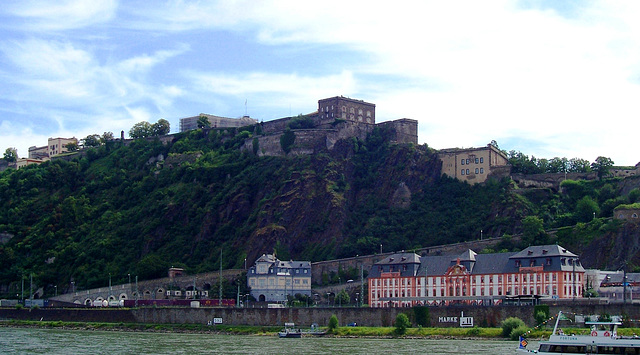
518	331
402	323
509	324
333	323
475	331
19	306
541	313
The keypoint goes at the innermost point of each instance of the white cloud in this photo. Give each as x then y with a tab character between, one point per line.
44	15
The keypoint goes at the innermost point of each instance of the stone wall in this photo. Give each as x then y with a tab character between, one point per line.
551	181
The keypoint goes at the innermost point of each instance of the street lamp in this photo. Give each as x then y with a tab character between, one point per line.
328	294
357	303
129	279
56	287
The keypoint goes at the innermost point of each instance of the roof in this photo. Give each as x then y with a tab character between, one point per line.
400	258
544	250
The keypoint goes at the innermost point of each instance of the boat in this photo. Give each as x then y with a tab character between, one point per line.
603	338
290	331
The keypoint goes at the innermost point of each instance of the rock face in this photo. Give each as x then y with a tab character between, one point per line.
615	250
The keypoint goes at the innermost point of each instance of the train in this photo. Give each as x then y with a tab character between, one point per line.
176	303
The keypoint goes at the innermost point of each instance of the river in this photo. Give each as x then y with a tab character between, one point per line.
57	341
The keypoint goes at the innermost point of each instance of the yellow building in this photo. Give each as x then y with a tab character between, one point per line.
474	165
272	280
59	145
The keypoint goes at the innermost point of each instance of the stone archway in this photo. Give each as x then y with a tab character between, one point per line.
261	298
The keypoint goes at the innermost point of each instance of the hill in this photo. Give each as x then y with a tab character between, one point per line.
140	208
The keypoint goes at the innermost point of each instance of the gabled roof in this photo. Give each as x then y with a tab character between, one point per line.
266	258
544	250
467	255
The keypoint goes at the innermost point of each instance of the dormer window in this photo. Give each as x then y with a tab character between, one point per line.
530	252
517	263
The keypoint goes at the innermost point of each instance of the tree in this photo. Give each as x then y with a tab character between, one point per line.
533	230
343	298
602	165
558	165
10	155
106	137
92	140
586	209
71	146
140	130
203	122
333	323
577	165
161	128
402	323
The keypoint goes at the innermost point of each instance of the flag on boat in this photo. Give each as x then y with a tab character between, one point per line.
523	342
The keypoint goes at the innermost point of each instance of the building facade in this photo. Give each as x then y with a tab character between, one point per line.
272	280
344	108
474	165
406	279
191	123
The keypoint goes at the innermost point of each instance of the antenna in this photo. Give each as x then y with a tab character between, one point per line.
245	107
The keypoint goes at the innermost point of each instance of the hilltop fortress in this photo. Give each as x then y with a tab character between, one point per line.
336	118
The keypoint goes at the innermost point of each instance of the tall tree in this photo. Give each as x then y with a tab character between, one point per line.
203	122
10	155
602	165
161	127
71	146
141	130
106	137
92	140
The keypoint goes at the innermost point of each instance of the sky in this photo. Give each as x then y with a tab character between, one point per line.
546	78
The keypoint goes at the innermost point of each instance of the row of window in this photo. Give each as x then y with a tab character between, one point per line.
462	291
471	161
468	172
263	282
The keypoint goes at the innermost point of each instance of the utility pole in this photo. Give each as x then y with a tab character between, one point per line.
361	284
220	291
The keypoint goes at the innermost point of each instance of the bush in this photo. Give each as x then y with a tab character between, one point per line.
509	324
402	323
518	331
475	331
333	323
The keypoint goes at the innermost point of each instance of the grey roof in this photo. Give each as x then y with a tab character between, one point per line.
493	263
400	258
544	250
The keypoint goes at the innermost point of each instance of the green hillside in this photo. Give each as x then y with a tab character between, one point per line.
141	208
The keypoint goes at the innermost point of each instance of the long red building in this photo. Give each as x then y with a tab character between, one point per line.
536	272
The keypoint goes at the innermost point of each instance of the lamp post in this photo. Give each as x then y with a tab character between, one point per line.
328	294
56	287
357	302
129	279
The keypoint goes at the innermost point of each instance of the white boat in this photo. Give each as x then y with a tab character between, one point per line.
602	339
290	331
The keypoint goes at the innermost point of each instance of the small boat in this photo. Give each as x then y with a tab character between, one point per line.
290	331
602	339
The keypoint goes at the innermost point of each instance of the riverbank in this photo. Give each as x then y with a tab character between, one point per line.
354	332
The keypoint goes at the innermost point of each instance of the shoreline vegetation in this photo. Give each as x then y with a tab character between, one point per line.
344	331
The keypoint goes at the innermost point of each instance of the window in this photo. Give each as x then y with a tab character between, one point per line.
462	172
305	271
467	172
517	265
476	160
481	160
466	161
462	161
477	170
481	170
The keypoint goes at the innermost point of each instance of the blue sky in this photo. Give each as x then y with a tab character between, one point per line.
547	78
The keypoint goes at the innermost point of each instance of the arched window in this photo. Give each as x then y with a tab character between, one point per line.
635	215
